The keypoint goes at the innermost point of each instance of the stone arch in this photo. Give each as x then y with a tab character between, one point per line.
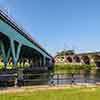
77	59
96	59
69	59
86	59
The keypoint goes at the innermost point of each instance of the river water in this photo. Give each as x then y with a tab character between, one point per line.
71	78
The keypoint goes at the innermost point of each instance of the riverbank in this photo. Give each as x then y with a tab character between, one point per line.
45	87
70	92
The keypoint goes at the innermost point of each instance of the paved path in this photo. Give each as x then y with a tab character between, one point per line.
45	87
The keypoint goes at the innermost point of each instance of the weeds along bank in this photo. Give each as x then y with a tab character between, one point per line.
74	68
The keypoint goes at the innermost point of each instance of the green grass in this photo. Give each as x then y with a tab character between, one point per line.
65	94
75	68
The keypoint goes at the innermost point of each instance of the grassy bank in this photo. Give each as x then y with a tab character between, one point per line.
75	68
58	94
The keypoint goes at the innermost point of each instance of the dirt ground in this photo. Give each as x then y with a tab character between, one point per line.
43	87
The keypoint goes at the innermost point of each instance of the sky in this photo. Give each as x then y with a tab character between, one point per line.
59	24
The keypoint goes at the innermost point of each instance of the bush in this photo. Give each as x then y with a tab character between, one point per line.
87	67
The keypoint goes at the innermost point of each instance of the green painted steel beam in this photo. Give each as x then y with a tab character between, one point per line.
15	54
6	54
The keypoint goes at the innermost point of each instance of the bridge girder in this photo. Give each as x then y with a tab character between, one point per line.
15	36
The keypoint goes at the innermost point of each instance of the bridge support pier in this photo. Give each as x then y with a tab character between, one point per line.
44	61
40	61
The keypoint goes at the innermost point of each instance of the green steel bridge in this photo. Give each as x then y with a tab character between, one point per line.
16	45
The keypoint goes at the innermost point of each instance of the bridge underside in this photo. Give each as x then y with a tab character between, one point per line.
13	52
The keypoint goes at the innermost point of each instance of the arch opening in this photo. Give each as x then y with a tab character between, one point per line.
77	59
86	60
69	59
97	60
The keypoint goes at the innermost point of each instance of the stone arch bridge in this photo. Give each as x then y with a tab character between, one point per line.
82	58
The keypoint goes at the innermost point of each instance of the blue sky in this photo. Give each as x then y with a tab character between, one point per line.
59	24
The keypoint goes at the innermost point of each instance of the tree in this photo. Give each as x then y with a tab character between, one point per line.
65	52
69	52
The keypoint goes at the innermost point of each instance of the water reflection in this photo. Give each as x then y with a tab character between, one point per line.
72	78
